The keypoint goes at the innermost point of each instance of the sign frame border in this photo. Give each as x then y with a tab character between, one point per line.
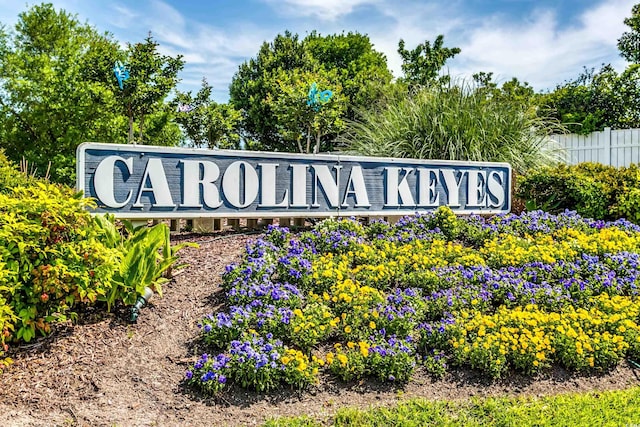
136	148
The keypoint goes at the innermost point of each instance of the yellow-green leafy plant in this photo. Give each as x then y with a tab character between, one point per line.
52	255
147	257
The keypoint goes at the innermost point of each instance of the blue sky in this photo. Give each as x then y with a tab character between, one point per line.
543	42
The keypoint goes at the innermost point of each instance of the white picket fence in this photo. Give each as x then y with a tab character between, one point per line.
609	147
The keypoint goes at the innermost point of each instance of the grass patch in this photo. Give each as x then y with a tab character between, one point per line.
612	408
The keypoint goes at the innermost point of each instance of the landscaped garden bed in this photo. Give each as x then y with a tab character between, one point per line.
104	371
499	295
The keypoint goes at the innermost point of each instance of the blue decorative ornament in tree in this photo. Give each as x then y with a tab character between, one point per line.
121	73
316	98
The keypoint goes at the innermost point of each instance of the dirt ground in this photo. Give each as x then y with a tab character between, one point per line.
107	372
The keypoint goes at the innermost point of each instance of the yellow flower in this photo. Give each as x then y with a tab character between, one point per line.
372	325
342	359
364	348
347	329
285	360
329	358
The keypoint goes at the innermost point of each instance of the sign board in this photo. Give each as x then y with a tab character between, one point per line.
141	181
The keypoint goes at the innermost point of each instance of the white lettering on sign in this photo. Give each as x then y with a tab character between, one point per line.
195	184
158	186
132	180
239	195
428	196
103	182
452	186
496	189
398	187
323	178
356	188
476	189
268	187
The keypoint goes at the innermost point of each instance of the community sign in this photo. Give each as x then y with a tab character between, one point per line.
142	181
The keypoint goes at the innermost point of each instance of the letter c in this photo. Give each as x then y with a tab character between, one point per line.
103	180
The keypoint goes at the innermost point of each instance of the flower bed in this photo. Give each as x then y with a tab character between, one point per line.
507	293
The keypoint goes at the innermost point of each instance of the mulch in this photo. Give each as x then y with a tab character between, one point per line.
105	371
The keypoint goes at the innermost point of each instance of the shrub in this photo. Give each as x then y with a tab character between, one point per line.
458	122
53	256
593	190
10	176
146	256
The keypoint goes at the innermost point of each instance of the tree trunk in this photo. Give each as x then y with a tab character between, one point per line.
316	150
141	127
130	126
308	139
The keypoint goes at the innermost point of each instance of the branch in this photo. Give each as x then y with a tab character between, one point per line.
21	120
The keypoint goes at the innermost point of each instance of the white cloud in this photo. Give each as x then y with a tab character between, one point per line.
544	50
329	10
123	18
209	51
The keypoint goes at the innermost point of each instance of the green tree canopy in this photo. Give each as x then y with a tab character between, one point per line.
303	124
629	43
361	71
512	91
58	89
151	77
205	122
422	64
356	69
596	99
52	89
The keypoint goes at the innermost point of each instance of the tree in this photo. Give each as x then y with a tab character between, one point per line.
512	91
302	123
361	71
205	122
629	43
151	77
251	86
53	91
596	100
422	64
356	69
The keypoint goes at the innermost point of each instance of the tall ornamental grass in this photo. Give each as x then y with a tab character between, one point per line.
455	122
